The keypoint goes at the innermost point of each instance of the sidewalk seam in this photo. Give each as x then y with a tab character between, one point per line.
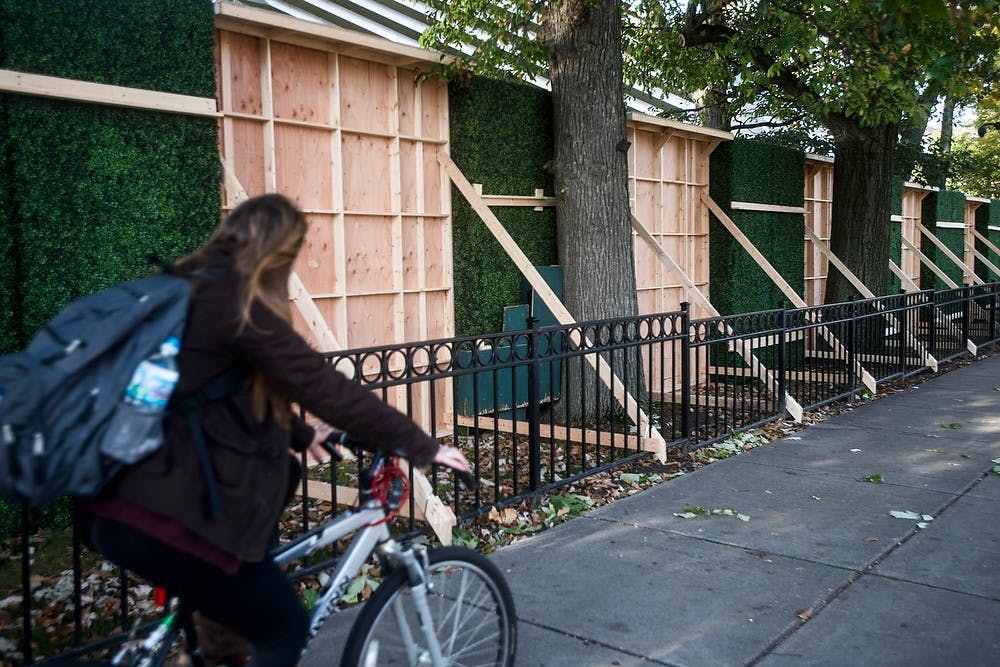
595	642
867	570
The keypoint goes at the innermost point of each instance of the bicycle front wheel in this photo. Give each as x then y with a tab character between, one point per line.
471	607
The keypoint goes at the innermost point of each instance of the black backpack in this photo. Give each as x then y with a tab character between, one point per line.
58	395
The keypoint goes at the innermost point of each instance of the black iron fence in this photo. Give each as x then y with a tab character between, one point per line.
543	408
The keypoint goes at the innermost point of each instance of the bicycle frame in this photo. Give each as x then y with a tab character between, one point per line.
371	536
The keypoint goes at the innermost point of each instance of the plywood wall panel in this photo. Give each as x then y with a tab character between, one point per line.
818	204
370	106
247	154
315	263
303	166
433	95
367	253
300	83
244	85
366	168
369	318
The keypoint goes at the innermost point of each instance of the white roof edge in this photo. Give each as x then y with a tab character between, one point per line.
642	118
919	186
279	22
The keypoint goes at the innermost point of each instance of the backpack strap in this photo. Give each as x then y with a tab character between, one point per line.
219	387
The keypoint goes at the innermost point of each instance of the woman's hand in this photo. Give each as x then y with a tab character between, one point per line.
451	457
316	451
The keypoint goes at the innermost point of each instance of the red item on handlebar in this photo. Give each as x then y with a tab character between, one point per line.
382	489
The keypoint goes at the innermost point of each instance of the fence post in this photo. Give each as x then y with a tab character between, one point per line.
534	412
782	358
904	316
686	370
993	312
852	331
966	313
931	297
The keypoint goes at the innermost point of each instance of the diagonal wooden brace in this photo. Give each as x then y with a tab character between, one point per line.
741	347
624	398
866	378
928	359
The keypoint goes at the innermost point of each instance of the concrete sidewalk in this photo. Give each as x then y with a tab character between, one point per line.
820	574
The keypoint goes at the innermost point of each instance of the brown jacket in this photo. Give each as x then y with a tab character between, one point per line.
250	457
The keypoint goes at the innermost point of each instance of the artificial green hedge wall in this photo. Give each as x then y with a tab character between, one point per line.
90	190
756	171
944	206
981	223
507	152
87	191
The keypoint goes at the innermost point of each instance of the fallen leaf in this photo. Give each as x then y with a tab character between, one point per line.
855	450
805	614
872	479
901	514
871	539
954	425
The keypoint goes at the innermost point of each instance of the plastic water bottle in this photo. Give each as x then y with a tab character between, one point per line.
136	428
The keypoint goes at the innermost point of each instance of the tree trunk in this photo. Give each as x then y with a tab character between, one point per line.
583	42
862	206
947	130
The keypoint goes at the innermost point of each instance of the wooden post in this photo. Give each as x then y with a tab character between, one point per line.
624	398
742	348
866	378
928	359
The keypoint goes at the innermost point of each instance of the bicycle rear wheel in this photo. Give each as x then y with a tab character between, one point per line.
472	610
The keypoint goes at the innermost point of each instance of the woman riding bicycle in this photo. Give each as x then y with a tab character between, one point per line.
207	540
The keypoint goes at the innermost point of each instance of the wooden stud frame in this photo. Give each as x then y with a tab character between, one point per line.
348	128
345	126
819	206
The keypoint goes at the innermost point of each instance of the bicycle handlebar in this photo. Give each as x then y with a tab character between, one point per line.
344	439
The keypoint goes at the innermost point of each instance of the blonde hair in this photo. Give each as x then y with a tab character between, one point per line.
266	233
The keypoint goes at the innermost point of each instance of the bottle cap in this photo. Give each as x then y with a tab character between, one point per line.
171	346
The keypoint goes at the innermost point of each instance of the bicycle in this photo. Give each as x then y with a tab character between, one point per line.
445	606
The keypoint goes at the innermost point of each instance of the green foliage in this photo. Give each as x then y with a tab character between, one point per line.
507	153
505	35
737	284
9	332
863	61
90	190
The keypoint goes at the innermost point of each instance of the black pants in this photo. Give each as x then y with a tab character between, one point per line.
258	601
